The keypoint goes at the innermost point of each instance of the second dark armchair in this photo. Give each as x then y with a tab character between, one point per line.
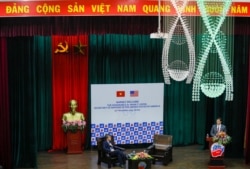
161	149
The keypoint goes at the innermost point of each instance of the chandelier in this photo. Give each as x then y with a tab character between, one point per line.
178	65
213	83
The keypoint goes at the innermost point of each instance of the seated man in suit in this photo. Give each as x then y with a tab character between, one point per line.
218	127
109	148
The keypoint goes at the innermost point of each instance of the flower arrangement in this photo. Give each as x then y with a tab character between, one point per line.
222	138
73	126
141	156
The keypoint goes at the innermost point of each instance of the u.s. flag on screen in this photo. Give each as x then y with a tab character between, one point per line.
134	93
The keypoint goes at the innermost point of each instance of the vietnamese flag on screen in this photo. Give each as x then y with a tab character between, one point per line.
120	93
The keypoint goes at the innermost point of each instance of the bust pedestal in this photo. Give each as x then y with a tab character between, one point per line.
74	142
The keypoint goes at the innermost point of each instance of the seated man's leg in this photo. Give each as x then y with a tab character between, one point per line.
124	156
121	156
118	154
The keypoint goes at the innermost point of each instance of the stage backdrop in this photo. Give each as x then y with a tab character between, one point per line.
132	113
70	80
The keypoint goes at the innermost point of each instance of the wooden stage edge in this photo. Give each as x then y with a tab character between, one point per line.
216	167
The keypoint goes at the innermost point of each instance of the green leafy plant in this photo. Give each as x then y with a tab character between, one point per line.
222	138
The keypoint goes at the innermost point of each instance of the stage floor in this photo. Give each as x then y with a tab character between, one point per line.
188	157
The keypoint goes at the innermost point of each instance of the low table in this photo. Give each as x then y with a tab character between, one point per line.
139	164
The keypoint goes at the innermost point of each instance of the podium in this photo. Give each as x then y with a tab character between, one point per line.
74	142
215	162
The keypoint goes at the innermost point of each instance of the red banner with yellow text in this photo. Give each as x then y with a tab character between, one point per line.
32	8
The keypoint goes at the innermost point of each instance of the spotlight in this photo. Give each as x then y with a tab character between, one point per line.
158	35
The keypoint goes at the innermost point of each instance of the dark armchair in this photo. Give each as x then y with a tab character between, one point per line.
161	149
104	156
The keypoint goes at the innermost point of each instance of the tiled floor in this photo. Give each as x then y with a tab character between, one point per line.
188	157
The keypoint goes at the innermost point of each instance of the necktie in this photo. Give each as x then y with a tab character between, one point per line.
111	147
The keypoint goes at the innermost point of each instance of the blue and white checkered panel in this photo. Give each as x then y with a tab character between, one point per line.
127	133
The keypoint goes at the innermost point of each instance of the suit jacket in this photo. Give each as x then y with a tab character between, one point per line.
214	130
107	147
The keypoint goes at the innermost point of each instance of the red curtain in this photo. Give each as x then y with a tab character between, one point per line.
247	131
5	147
70	81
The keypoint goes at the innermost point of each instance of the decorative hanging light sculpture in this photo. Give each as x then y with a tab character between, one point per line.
179	33
213	83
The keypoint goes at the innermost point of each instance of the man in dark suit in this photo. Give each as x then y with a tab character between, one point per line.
218	127
109	148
